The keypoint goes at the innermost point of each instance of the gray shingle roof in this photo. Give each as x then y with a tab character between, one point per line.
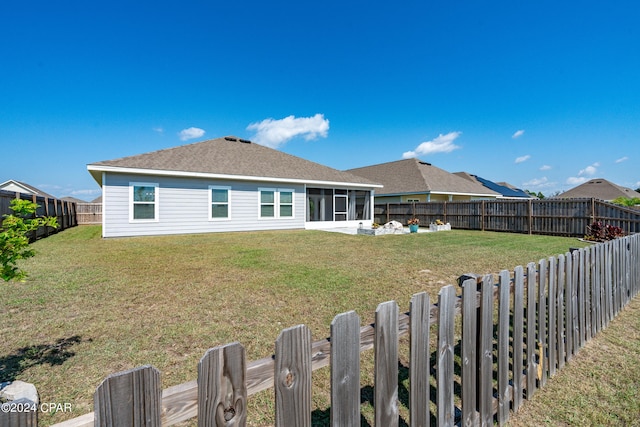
599	188
414	176
232	156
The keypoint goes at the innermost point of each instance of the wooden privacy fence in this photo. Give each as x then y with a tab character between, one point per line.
64	211
563	217
89	213
517	330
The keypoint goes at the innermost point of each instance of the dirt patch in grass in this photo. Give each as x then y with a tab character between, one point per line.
92	306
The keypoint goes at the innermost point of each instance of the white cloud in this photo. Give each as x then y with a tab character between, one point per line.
158	130
589	170
190	133
518	134
622	159
440	144
538	183
274	133
573	180
545	167
523	158
85	192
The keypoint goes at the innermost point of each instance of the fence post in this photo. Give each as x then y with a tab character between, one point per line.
129	398
419	368
485	353
345	369
292	377
504	308
469	348
386	365
445	367
222	391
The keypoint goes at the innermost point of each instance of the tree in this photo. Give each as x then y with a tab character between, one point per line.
14	240
626	201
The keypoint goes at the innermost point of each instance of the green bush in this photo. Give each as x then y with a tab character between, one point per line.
14	240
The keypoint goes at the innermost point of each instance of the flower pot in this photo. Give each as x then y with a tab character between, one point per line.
413	228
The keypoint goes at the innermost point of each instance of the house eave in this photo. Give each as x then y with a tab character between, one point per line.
96	171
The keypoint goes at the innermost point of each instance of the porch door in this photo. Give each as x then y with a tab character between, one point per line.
341	204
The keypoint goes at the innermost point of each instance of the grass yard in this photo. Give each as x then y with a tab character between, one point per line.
91	307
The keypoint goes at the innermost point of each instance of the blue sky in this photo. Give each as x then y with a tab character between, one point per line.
544	95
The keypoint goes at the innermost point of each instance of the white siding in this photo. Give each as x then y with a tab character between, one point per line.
183	207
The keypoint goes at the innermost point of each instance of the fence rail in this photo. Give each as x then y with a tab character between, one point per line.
63	210
561	217
514	335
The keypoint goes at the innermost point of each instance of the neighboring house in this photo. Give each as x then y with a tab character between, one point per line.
505	190
599	188
21	187
412	180
226	184
73	200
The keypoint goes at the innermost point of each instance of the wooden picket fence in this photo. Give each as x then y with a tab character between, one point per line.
514	335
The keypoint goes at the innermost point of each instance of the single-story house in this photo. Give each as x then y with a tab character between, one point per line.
24	188
412	180
599	188
505	190
226	184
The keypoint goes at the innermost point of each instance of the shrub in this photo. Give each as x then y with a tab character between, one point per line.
600	232
14	240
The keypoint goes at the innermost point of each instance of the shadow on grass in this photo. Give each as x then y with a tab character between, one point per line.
24	358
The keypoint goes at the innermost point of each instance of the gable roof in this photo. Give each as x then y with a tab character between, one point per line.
506	191
22	187
229	157
412	176
599	188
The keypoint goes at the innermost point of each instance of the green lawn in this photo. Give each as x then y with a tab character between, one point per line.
91	306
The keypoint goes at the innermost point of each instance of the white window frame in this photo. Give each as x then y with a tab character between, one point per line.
277	203
219	187
156	201
293	202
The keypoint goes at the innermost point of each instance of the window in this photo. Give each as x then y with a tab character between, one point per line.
144	201
219	202
286	203
276	203
267	203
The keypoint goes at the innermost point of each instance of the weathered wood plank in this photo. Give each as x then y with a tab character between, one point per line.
26	417
222	393
560	311
485	351
531	329
543	340
446	344
582	298
470	415
292	375
575	291
386	365
131	398
420	369
504	310
518	327
568	306
553	320
345	370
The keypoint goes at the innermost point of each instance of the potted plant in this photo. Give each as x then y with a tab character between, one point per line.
414	223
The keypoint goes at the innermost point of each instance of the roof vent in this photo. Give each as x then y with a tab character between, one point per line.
246	141
230	138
